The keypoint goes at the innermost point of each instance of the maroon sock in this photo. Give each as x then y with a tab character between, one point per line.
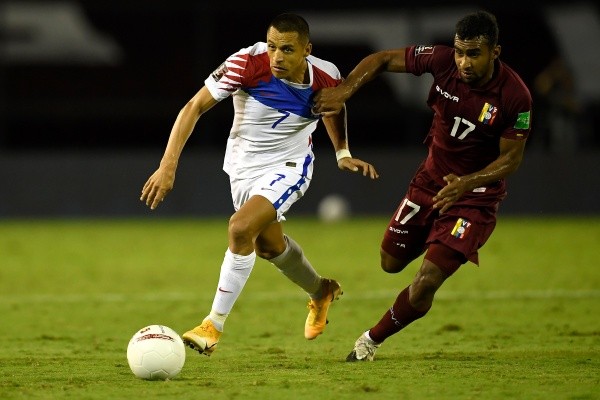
396	318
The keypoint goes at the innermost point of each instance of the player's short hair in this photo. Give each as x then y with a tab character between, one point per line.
478	24
288	22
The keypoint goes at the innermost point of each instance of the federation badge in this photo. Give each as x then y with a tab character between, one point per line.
488	114
461	228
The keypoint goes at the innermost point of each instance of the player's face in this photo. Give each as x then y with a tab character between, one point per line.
287	55
475	60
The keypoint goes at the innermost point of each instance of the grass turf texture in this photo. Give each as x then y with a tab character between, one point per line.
523	325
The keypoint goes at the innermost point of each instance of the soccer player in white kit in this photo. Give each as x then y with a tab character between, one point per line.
269	160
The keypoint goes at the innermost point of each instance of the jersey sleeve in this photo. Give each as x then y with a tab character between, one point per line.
428	59
519	108
230	75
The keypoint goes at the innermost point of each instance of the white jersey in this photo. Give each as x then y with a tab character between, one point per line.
273	122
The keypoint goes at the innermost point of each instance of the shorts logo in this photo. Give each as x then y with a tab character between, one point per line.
461	228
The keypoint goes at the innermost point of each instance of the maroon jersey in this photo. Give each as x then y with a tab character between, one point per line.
469	122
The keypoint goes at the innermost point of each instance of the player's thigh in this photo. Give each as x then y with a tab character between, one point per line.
465	229
252	217
407	231
282	187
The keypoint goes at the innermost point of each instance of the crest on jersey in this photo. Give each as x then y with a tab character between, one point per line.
423	50
488	114
461	228
219	72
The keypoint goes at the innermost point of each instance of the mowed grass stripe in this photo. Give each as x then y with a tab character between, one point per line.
267	296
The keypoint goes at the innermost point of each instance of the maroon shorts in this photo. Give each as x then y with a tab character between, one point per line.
464	227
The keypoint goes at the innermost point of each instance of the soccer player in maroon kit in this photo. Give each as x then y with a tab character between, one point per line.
481	121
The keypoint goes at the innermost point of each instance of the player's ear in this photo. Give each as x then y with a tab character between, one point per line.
308	49
496	51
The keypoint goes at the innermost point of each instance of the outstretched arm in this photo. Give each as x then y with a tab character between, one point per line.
161	181
337	131
511	154
330	101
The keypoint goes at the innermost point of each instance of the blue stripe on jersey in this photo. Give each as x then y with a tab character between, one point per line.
294	188
281	96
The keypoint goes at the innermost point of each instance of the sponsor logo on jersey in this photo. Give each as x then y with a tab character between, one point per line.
446	94
523	120
400	231
461	228
423	50
488	114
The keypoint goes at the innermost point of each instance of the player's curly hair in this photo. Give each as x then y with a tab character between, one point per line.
288	22
480	23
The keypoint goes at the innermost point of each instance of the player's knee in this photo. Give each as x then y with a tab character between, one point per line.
268	251
239	229
427	281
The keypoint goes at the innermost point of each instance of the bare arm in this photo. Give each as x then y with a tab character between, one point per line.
331	100
511	154
337	131
161	181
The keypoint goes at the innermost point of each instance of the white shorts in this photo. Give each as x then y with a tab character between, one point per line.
281	186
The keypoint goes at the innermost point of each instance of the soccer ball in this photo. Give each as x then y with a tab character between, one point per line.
156	352
333	208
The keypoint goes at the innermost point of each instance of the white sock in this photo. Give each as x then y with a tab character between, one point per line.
217	319
296	268
235	271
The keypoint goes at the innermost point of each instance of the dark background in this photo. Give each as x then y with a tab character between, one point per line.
67	101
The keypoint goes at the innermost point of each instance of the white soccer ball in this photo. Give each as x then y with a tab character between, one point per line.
156	352
333	208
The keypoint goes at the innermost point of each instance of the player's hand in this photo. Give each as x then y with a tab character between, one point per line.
356	165
157	187
449	194
328	102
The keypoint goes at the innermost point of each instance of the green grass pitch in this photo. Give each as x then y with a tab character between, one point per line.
523	325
